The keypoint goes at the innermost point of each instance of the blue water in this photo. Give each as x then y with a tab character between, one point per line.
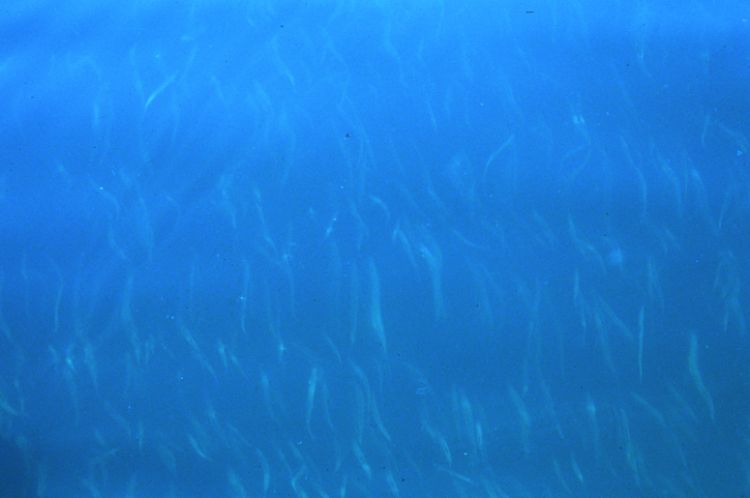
374	249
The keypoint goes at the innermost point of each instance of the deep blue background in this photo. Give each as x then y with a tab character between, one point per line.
374	249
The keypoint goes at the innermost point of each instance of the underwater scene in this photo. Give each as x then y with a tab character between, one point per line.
345	248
